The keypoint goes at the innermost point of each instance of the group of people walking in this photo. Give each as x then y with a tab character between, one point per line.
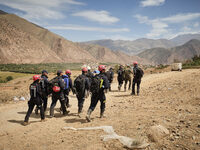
96	83
124	76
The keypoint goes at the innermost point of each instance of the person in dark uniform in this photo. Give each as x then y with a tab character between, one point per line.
120	77
110	76
58	93
100	94
44	86
68	87
137	76
127	77
82	86
36	99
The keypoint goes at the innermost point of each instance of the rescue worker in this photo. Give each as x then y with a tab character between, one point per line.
120	77
35	99
110	76
99	95
68	87
127	77
89	74
44	86
137	76
58	93
82	86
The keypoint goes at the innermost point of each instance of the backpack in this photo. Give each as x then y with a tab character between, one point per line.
139	73
79	83
66	80
96	84
33	90
55	85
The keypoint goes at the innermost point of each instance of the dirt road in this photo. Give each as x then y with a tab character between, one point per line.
170	99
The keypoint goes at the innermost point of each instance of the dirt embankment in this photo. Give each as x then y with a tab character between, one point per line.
170	99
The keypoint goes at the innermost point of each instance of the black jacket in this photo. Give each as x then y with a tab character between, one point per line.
137	73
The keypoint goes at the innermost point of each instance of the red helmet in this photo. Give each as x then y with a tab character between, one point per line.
101	67
36	77
135	63
84	69
68	72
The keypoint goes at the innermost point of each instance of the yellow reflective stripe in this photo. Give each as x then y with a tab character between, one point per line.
101	84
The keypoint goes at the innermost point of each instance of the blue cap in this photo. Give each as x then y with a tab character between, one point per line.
96	71
44	71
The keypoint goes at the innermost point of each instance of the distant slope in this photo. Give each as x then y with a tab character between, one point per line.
181	39
57	46
167	56
133	47
103	54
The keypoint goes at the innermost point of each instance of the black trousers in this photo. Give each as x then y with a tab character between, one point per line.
81	100
31	105
129	82
66	94
55	98
94	100
45	101
138	86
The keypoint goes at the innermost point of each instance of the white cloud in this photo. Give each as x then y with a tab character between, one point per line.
146	3
98	16
86	28
161	26
117	37
181	17
196	25
43	9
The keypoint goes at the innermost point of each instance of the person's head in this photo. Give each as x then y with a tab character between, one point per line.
96	72
135	63
68	72
36	78
44	72
111	69
88	67
121	67
59	73
84	70
102	68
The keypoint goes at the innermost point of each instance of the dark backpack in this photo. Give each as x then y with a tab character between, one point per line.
95	84
139	73
55	87
79	83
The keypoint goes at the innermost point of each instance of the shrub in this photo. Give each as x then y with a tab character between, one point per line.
9	78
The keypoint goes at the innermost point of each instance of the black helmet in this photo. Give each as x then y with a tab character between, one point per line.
44	71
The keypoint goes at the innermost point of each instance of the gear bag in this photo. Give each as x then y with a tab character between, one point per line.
66	80
55	85
79	83
96	84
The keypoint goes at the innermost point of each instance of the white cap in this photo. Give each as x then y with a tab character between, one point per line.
88	67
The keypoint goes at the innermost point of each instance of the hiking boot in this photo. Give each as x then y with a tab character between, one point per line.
43	120
132	93
25	123
68	106
102	115
36	111
66	113
51	116
88	115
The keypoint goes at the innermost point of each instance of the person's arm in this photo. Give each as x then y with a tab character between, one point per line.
87	84
105	82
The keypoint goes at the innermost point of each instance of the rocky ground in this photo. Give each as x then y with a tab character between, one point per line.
166	115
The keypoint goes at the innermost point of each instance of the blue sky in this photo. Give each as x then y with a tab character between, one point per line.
84	20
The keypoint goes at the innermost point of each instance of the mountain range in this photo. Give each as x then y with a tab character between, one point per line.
24	42
168	56
139	45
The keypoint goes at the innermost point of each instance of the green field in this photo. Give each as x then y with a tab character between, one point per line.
7	76
37	68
